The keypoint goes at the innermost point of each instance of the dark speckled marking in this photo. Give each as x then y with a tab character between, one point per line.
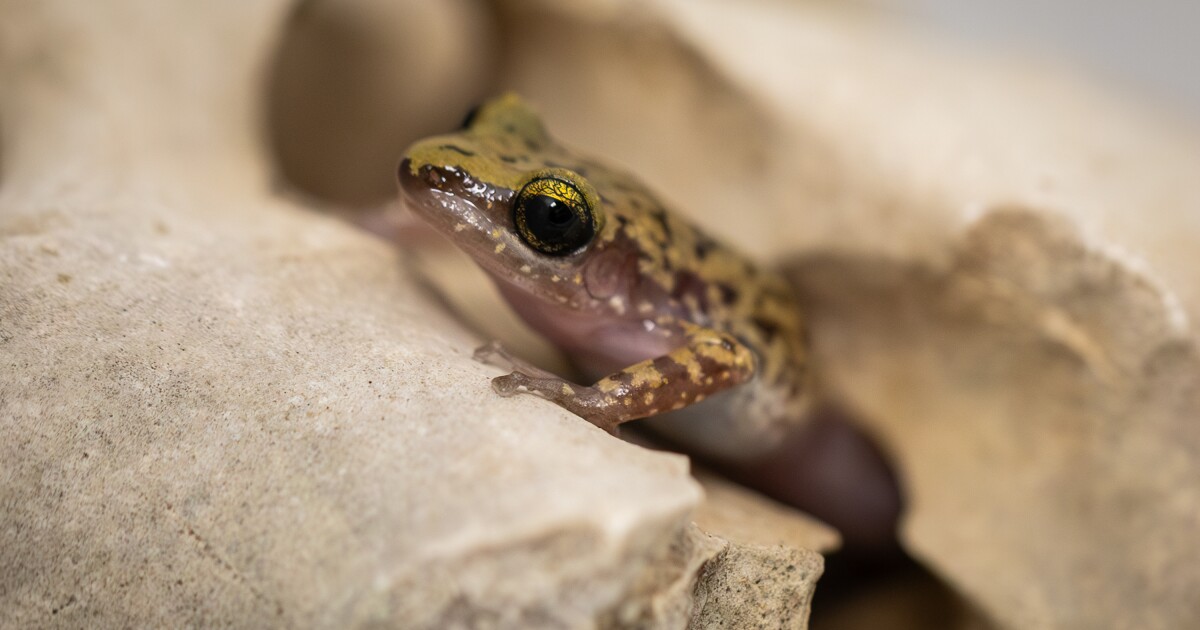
729	295
689	283
660	215
769	329
702	247
457	149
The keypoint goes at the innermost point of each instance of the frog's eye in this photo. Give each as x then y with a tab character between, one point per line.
553	216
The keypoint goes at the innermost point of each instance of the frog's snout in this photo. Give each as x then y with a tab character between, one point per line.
418	189
436	195
404	175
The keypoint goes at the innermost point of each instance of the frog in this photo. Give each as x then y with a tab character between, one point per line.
665	320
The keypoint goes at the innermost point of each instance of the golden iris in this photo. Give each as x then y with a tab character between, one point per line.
553	216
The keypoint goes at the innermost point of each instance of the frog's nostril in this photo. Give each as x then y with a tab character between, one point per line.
433	176
416	180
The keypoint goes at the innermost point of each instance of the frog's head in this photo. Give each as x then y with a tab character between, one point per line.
515	201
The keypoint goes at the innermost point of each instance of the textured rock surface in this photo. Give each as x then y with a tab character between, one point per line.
746	518
757	587
766	563
1001	265
219	409
216	408
1060	470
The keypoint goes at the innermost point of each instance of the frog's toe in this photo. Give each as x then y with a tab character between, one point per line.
492	353
496	355
509	384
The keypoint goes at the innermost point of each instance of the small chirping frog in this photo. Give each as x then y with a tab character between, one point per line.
662	315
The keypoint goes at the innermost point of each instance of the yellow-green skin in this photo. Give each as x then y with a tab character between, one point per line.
662	314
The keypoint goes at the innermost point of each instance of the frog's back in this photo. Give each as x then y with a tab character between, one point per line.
688	274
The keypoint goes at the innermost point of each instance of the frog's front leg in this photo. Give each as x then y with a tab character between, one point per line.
707	363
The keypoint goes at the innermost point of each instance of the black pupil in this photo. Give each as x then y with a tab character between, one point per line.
558	214
558	229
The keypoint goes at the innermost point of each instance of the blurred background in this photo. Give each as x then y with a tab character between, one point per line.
343	103
1152	48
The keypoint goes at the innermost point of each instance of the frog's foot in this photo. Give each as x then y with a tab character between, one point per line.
710	362
587	402
495	354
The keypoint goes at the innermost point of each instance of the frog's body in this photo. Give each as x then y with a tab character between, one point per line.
662	314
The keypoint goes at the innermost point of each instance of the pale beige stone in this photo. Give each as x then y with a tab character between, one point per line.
999	259
218	408
744	517
752	586
706	581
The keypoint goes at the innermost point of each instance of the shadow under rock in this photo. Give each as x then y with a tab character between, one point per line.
898	594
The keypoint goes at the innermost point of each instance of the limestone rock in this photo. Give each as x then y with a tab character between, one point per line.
747	518
999	259
218	408
757	587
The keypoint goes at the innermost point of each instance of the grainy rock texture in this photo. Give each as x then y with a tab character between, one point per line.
220	409
757	587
